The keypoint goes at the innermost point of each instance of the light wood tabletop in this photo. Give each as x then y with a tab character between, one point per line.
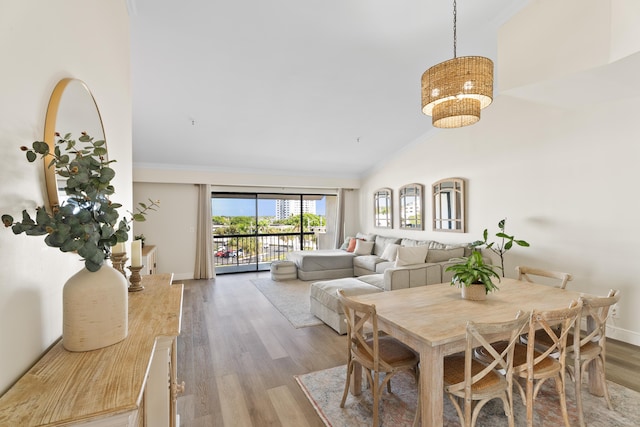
432	320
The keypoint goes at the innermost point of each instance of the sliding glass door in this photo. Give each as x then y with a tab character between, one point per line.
253	229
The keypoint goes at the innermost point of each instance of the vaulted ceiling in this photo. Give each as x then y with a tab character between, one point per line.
325	88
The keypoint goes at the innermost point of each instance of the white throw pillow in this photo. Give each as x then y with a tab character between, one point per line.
390	252
408	255
363	247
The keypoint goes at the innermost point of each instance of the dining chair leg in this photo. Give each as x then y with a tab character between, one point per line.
529	401
576	375
577	379
600	362
563	400
376	396
346	383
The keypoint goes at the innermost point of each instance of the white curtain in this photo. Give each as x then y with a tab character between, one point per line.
204	268
340	219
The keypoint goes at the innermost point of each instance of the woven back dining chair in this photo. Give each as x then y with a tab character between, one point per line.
528	273
534	365
471	384
375	353
592	345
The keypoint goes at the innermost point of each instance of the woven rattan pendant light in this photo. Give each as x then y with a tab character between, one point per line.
454	91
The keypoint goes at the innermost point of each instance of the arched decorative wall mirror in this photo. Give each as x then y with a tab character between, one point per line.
383	208
449	205
411	202
71	109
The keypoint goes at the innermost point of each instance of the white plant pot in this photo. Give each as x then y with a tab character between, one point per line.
95	309
474	292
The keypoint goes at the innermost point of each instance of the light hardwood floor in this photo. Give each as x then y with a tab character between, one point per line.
238	356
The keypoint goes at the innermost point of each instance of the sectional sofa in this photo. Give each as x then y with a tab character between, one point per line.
401	260
368	263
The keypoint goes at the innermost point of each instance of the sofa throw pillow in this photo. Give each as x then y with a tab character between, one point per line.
345	244
363	247
442	255
408	255
369	237
390	252
352	245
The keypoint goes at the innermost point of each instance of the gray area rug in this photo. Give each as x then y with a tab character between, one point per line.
291	298
324	391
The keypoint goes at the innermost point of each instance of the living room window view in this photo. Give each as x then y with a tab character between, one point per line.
251	230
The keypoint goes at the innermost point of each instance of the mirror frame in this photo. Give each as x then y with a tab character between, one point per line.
418	199
383	198
457	205
50	124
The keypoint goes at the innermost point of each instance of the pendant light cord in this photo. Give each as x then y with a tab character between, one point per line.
455	40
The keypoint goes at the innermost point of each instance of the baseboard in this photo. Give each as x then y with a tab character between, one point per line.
617	333
625	335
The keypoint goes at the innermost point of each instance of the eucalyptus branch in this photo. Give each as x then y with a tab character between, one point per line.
86	222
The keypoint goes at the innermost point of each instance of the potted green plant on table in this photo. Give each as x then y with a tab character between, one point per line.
474	276
501	248
95	309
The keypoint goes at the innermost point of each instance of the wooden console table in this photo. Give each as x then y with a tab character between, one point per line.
131	383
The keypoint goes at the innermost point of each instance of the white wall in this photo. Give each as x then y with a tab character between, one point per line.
172	227
42	42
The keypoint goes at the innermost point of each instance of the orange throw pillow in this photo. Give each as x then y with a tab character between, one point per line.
352	245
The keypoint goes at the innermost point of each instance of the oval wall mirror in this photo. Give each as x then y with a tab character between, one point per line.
448	205
72	109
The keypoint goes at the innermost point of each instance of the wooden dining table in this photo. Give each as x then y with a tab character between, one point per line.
432	320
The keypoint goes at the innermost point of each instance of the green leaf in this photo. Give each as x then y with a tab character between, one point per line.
501	224
42	217
99	151
31	156
508	245
522	243
107	174
92	266
41	147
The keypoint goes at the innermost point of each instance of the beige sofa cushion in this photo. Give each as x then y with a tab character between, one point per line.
442	255
382	243
376	280
390	253
325	291
408	255
363	247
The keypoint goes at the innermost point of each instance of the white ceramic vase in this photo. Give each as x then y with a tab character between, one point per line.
474	292
95	309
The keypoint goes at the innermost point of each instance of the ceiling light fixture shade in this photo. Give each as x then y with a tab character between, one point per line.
454	91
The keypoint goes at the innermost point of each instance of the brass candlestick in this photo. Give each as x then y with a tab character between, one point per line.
135	279
118	260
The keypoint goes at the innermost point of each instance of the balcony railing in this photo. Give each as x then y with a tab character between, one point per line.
250	252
